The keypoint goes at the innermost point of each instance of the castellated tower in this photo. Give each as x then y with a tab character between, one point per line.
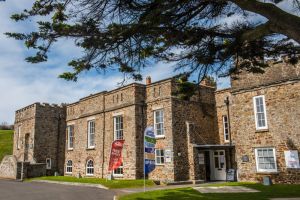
39	138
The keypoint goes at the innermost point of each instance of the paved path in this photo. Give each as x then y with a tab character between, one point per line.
225	189
13	190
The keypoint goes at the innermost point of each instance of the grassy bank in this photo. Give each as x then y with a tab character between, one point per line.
6	143
113	184
267	192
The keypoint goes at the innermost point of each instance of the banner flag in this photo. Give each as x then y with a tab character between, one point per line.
115	160
149	150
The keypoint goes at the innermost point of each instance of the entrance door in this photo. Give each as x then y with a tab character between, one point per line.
218	165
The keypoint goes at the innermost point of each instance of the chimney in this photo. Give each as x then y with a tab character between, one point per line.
148	80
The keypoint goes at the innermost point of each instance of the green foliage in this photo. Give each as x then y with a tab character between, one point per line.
127	35
185	89
113	184
6	143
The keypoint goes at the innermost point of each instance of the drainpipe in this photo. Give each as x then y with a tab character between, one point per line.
226	101
103	139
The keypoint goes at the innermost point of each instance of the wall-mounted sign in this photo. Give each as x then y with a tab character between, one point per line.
168	156
292	159
201	158
245	158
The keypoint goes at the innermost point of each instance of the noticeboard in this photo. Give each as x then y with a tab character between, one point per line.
230	175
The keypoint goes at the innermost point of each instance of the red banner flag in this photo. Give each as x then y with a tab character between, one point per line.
116	155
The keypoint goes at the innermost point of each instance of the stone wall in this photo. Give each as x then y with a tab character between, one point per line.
8	167
283	112
40	134
277	72
126	102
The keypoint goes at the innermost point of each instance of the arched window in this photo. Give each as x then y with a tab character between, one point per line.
69	167
90	167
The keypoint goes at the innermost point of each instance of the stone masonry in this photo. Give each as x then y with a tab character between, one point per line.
192	129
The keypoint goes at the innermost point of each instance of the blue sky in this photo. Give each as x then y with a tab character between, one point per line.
22	83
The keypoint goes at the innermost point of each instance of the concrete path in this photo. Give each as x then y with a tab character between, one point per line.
225	189
73	184
13	190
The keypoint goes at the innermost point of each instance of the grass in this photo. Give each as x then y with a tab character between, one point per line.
267	192
112	184
6	143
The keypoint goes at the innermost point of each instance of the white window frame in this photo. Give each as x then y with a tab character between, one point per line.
118	127
264	110
155	123
68	167
88	167
69	128
160	156
119	174
91	131
50	164
257	160
224	128
18	137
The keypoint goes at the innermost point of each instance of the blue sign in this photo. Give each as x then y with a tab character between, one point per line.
149	149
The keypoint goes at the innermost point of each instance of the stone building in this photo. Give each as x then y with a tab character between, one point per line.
251	128
264	122
39	139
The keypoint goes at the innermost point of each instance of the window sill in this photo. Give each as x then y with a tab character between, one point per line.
160	165
261	130
267	173
160	137
89	175
90	148
68	173
118	175
70	149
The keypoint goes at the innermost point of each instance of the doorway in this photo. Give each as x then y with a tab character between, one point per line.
218	165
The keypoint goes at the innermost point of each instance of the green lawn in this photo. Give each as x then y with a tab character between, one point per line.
267	192
6	143
113	184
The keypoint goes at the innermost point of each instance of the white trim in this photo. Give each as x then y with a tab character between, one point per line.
68	135
86	168
89	146
90	118
223	118
115	127
70	123
158	107
69	167
163	123
265	112
19	137
115	114
159	164
257	163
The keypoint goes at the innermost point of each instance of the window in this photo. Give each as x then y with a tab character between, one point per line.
119	171
69	167
159	123
265	160
260	112
18	137
90	168
118	127
48	163
91	134
70	132
226	128
159	157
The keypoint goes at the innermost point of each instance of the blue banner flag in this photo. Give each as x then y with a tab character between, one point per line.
149	150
